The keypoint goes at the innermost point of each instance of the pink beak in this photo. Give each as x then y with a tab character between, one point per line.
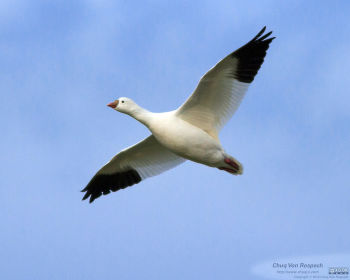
113	104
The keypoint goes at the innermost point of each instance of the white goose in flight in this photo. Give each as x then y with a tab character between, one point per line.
191	131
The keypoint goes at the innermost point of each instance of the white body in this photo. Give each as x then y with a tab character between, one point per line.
185	139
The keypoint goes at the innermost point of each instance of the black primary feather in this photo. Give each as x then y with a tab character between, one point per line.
251	56
105	183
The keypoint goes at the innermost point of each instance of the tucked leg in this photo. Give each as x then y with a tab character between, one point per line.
232	166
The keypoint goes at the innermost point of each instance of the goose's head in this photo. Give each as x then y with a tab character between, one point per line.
124	105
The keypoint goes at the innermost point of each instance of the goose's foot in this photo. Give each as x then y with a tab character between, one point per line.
229	170
234	168
231	162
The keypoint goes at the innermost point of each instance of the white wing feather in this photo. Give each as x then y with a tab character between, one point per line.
215	99
221	90
148	158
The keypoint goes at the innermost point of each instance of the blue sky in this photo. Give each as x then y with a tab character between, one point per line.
63	61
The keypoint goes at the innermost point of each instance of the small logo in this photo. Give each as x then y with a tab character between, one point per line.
338	270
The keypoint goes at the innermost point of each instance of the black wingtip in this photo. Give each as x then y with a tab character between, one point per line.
86	195
265	36
251	56
260	33
103	184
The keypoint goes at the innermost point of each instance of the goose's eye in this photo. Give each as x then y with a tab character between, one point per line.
122	101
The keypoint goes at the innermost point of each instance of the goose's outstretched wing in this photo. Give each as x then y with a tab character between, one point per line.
145	159
222	88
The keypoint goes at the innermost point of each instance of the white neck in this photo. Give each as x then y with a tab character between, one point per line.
142	115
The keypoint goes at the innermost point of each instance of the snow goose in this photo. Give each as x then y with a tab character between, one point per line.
191	131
